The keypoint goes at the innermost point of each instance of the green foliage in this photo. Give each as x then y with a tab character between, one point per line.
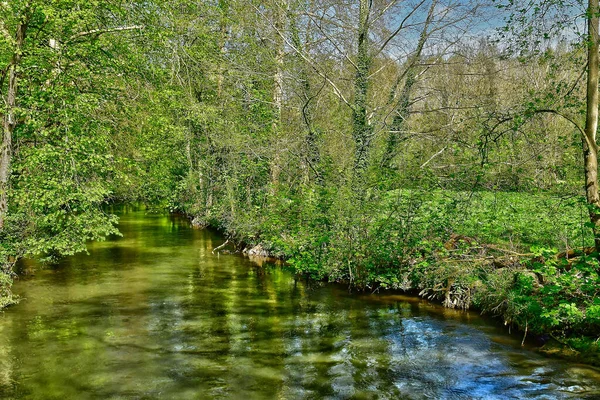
183	114
76	63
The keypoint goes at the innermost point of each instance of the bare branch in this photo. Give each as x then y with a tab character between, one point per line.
400	27
334	44
555	112
382	13
220	247
312	63
104	30
434	156
546	111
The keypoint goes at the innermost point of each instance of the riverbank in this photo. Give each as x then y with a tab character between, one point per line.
541	293
524	291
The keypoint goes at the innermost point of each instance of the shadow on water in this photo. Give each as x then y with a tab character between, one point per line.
154	314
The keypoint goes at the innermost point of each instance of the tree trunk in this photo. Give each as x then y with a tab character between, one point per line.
590	148
313	156
213	168
403	106
361	129
280	11
223	36
9	121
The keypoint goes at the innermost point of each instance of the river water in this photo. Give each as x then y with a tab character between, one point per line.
155	315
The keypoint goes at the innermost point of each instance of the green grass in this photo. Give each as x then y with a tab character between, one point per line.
516	220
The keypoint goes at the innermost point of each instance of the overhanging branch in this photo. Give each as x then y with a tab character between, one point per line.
555	112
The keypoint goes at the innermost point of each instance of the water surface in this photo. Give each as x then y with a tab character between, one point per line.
155	315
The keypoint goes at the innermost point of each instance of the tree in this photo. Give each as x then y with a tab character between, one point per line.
589	143
15	47
62	62
535	26
403	104
361	128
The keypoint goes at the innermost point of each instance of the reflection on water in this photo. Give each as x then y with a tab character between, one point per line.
155	315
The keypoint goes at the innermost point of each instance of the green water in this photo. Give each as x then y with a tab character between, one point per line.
155	315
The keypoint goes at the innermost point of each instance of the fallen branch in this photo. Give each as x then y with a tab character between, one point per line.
220	247
506	251
576	252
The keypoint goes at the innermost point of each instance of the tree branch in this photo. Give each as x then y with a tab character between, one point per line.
314	66
220	247
555	112
400	27
434	156
345	55
103	31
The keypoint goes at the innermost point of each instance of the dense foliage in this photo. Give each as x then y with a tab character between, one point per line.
380	143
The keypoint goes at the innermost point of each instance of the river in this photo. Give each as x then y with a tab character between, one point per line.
155	315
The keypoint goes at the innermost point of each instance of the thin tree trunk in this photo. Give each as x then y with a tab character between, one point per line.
223	36
313	156
403	105
361	130
280	14
590	148
9	121
214	168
